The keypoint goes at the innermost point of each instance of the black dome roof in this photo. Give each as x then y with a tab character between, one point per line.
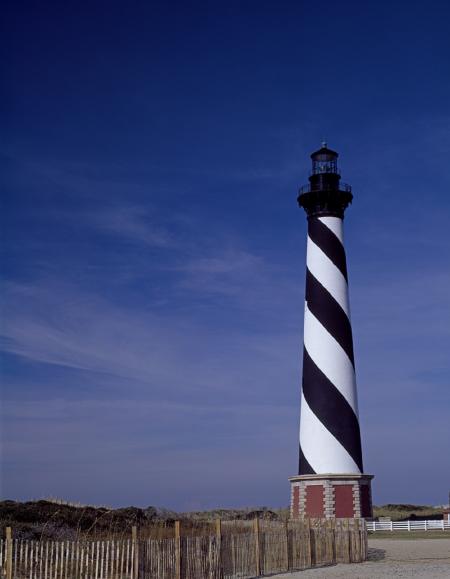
324	154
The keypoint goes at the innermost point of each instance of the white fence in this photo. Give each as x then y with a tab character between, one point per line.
407	525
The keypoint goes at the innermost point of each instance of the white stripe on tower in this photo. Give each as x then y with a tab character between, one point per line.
325	272
336	226
330	440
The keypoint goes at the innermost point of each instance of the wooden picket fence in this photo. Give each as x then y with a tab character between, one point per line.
266	549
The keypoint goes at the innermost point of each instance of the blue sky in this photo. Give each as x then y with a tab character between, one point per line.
153	254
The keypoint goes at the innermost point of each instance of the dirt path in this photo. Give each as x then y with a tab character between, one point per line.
405	558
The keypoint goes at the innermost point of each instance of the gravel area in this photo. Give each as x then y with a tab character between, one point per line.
422	558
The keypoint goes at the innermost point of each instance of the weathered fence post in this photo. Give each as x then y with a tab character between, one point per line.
366	539
310	545
135	545
329	540
348	540
257	551
219	548
333	538
233	554
9	560
286	528
177	550
219	528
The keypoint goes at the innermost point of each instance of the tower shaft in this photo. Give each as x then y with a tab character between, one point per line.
330	440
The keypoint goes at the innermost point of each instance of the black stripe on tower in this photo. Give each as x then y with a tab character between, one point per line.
331	408
303	465
329	313
328	243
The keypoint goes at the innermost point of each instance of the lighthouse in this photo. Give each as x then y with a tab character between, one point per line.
331	482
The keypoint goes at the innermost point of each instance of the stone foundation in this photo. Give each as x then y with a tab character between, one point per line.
331	496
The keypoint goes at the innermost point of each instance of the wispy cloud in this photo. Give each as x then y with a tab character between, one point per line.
132	222
225	272
247	282
58	325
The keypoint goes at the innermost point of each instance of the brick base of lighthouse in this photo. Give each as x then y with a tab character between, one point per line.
331	496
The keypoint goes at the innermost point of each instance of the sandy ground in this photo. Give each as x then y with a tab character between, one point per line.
423	558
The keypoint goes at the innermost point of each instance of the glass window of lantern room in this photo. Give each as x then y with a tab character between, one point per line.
319	166
325	166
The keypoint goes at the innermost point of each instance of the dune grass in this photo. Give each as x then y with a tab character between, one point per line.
405	512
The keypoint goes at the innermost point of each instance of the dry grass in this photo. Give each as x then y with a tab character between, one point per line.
37	520
405	512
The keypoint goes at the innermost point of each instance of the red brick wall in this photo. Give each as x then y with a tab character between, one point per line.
314	501
295	501
366	502
343	497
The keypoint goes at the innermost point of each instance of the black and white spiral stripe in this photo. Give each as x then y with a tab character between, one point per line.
330	440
